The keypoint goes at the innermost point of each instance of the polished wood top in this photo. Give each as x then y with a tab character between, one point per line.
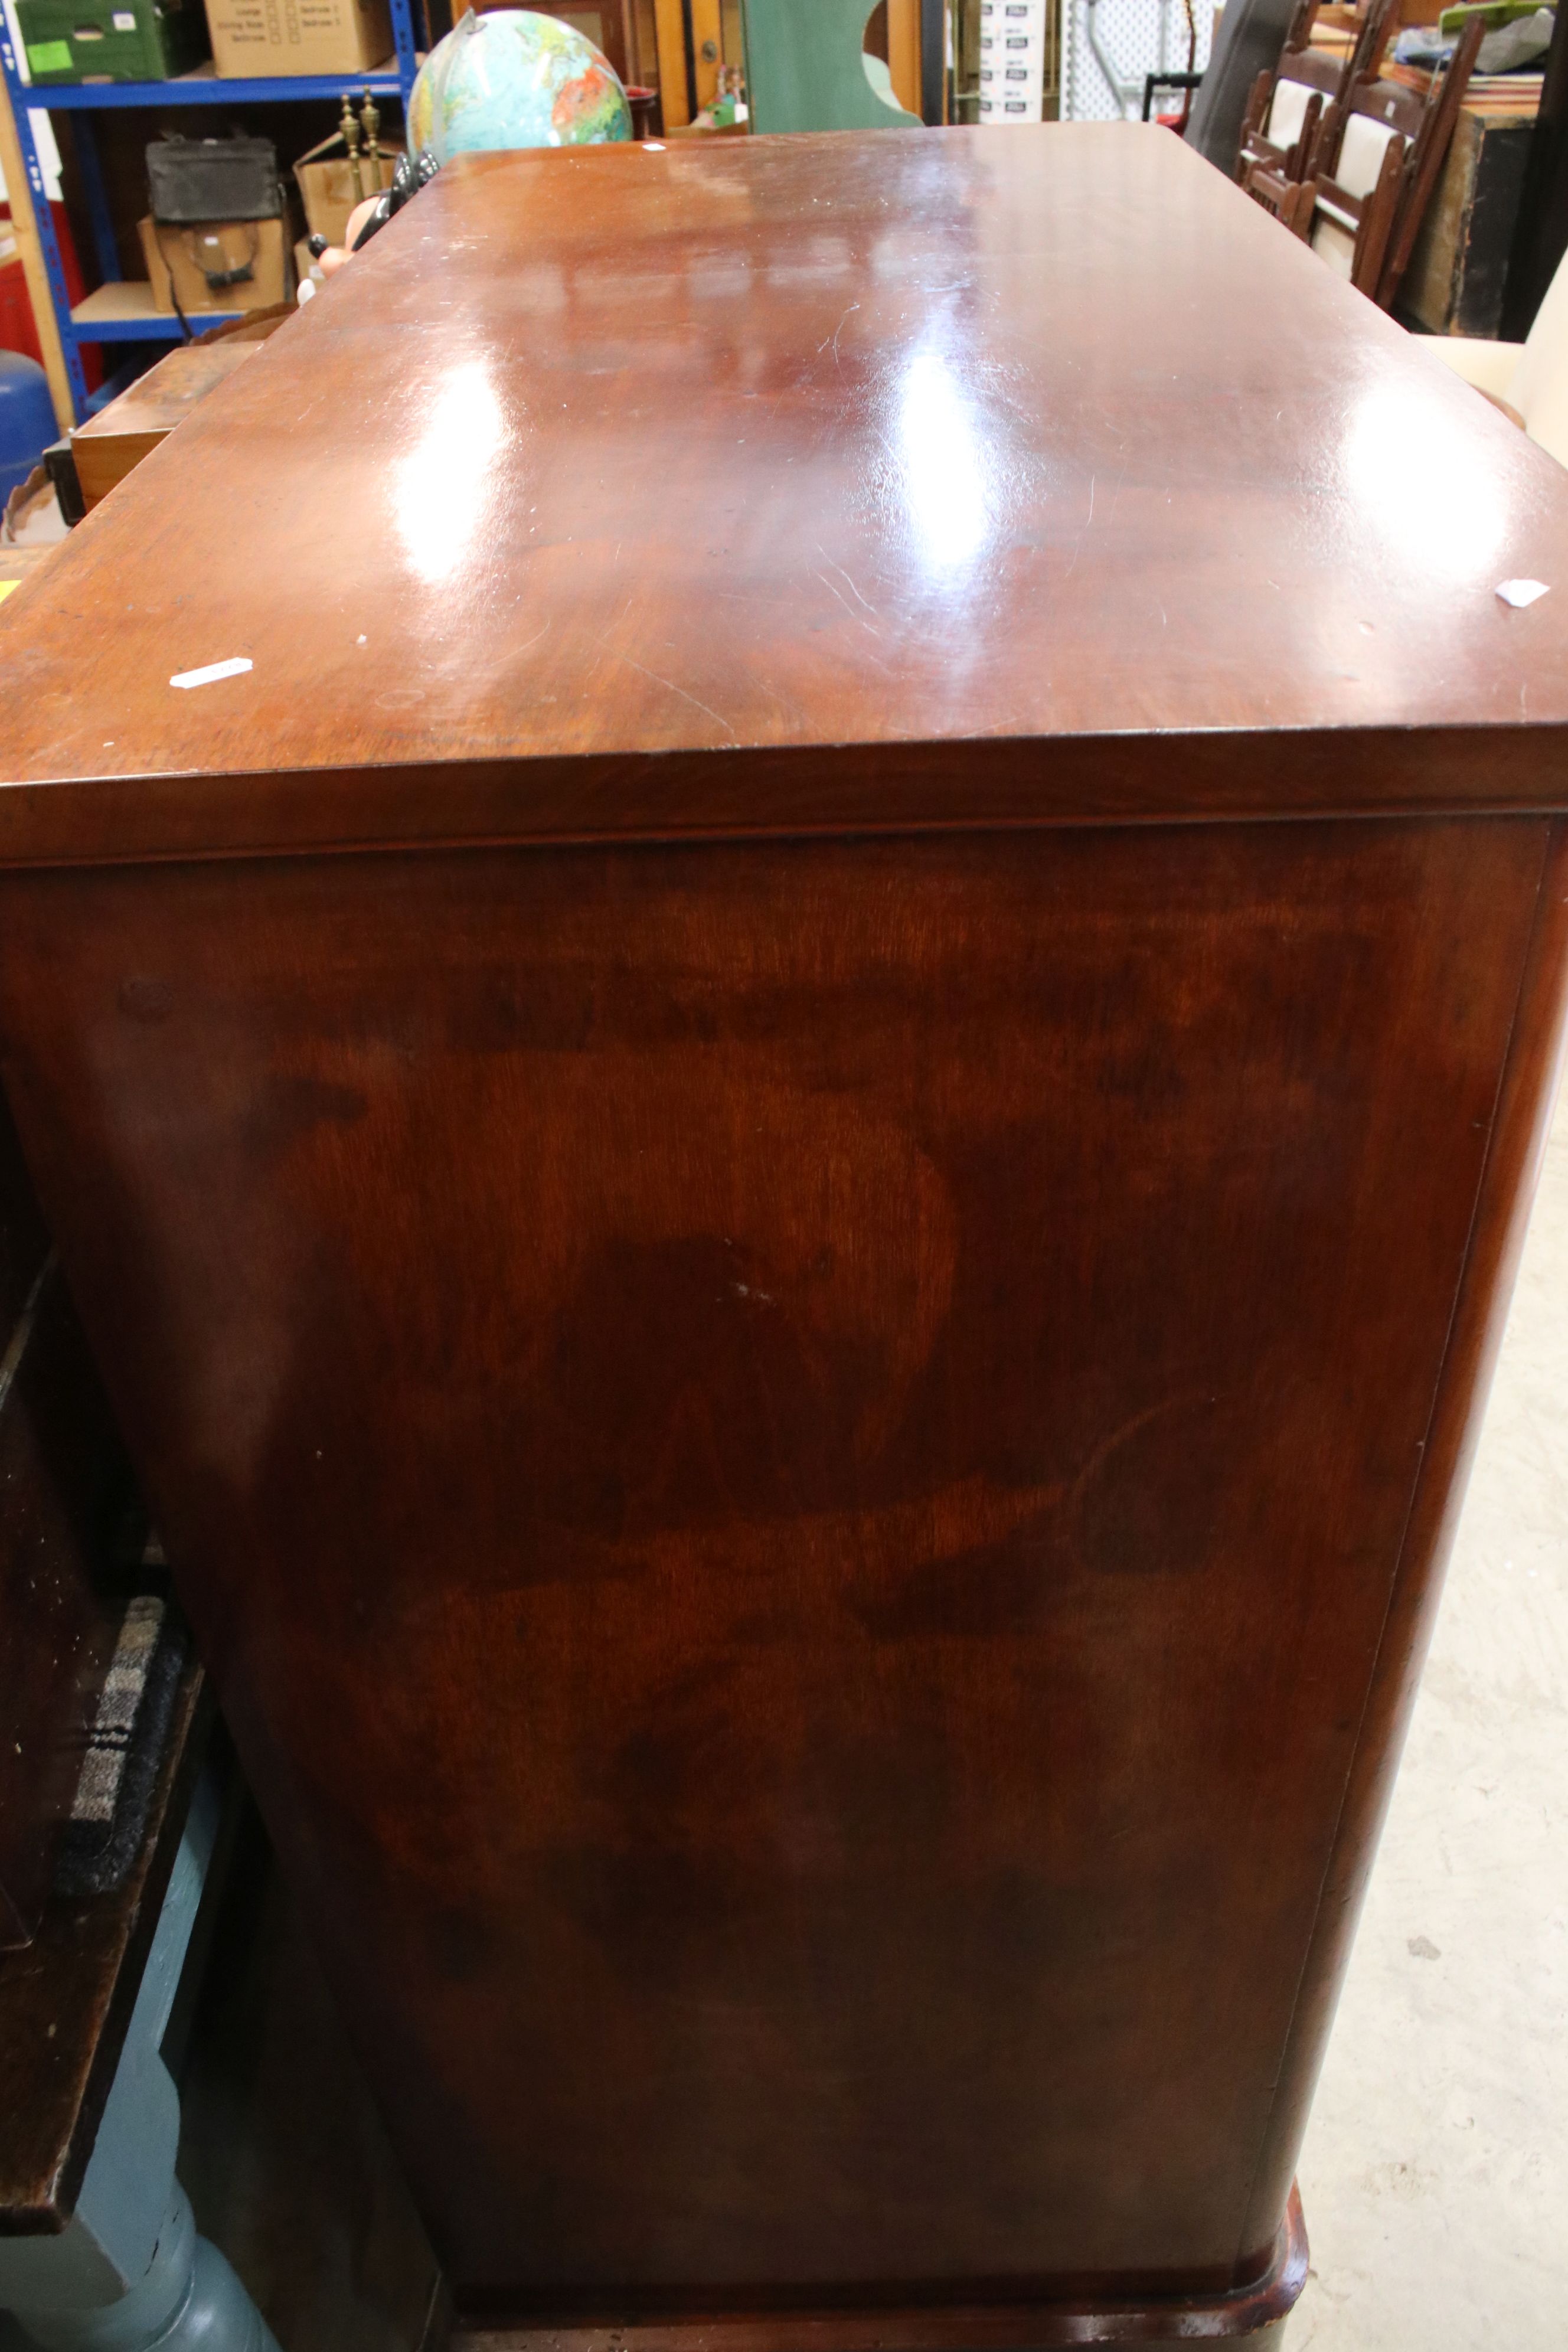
929	444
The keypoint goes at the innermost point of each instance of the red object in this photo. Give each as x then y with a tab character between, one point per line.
19	328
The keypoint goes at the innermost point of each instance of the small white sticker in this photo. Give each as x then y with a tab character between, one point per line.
212	672
1521	591
124	20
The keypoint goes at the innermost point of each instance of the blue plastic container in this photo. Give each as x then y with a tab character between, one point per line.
27	419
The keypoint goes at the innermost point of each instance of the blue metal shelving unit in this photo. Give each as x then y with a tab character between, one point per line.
96	320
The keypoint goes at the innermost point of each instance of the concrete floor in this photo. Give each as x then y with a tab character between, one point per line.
1435	2176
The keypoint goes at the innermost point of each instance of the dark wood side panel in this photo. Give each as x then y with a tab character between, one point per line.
1527	1099
791	1462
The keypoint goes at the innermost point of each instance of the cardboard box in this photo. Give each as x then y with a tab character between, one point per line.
298	36
327	188
186	255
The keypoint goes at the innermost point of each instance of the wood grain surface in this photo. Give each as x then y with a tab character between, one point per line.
791	1461
956	473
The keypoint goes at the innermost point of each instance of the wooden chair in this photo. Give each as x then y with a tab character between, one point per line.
1376	167
1282	114
1280	133
1432	141
1281	191
1294	112
1350	207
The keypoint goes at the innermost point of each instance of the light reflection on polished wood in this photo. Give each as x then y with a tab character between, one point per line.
930	446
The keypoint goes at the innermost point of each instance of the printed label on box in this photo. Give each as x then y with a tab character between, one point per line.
293	37
50	56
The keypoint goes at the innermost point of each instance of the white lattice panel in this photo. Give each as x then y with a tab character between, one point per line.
1136	37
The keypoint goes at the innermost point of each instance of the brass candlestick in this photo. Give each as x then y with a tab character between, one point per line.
370	119
349	127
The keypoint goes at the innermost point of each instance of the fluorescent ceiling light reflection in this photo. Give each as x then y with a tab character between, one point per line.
443	483
944	476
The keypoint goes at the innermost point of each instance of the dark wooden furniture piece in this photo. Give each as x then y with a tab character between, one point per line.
65	2002
794	1144
131	427
61	1489
1458	265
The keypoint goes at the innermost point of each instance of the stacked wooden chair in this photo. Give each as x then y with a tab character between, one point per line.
1295	109
1345	160
1371	185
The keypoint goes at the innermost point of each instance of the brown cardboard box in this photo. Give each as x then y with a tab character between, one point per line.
187	254
326	187
298	36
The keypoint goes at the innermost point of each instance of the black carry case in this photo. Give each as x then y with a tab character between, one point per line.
191	180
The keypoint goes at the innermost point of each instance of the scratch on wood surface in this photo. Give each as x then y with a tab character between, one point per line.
718	719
